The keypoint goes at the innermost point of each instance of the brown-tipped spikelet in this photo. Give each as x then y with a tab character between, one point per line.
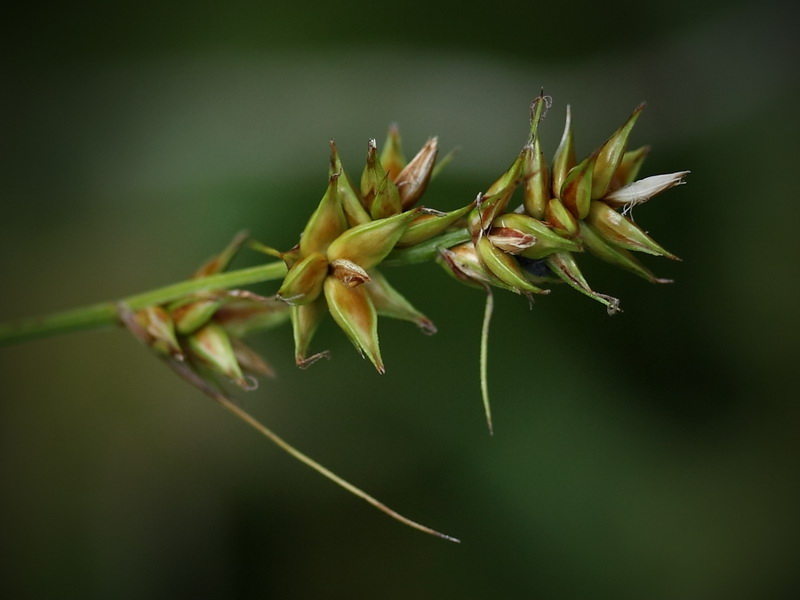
567	208
413	180
379	195
349	235
156	329
337	265
202	331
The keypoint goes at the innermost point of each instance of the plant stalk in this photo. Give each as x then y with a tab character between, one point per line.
427	250
105	314
308	461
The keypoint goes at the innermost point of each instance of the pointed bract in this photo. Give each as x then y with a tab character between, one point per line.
463	263
504	267
560	218
354	210
628	167
157	330
412	181
563	264
249	360
220	262
386	202
326	223
425	225
615	255
392	158
388	302
368	244
303	282
564	158
622	232
610	155
539	107
536	187
212	346
546	239
353	311
576	191
306	319
495	199
378	194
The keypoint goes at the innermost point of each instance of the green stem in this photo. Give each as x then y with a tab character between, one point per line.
105	313
427	250
484	361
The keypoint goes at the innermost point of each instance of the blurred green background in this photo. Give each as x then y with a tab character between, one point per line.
649	455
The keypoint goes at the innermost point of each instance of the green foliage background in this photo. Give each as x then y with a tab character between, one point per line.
650	455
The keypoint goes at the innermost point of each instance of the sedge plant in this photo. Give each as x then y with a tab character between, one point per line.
521	234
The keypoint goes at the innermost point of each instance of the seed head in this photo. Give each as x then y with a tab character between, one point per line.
572	206
200	333
352	232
